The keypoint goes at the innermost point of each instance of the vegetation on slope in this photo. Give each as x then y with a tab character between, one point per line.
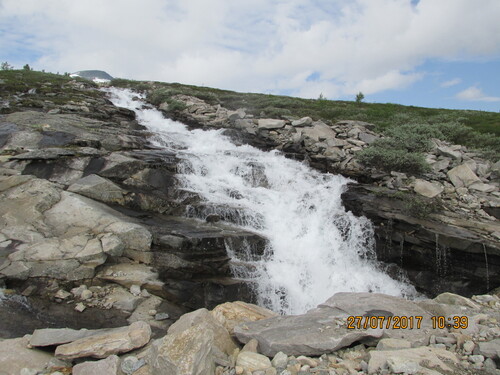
408	129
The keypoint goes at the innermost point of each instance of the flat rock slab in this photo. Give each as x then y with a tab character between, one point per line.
231	314
58	336
324	329
314	333
113	341
14	356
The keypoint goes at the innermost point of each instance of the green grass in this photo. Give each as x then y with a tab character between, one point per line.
330	111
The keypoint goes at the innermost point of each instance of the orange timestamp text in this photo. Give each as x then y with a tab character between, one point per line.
405	322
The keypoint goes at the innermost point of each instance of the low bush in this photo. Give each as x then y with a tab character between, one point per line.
393	159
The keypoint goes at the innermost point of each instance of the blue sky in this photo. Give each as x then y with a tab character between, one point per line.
433	53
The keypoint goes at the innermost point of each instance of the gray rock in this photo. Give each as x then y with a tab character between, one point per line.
203	318
367	137
490	349
449	152
280	360
428	189
423	356
108	366
103	344
162	316
98	188
267	123
304	121
58	336
484	188
393	344
187	352
455	299
131	364
15	355
462	176
441	165
251	361
319	132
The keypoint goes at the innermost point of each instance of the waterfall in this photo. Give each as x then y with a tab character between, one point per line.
314	247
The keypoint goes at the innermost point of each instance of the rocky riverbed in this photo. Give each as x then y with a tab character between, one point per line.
100	266
240	338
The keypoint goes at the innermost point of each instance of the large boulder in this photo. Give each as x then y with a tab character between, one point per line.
189	352
324	329
319	132
428	189
202	317
462	176
107	342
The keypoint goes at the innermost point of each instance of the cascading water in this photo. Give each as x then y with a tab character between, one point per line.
315	248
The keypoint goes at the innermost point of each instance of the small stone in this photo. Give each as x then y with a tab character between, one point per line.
28	291
135	290
253	361
469	346
131	364
251	346
476	358
280	360
80	307
152	312
86	294
239	370
62	294
162	316
77	292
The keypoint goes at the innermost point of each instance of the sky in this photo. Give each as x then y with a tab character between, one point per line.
431	53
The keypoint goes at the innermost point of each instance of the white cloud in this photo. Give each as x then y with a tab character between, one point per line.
475	94
451	82
253	45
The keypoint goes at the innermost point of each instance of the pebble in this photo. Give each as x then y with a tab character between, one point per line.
80	307
86	294
469	346
162	316
280	360
131	364
135	290
476	358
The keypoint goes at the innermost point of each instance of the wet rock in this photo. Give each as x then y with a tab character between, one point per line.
112	341
108	366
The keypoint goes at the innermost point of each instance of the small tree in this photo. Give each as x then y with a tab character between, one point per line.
6	66
359	97
321	97
27	67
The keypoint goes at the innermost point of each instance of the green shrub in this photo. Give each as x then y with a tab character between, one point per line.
393	159
418	206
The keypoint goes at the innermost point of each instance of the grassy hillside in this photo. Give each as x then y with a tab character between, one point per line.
404	125
383	115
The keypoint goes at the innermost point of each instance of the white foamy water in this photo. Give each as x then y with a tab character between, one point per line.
315	248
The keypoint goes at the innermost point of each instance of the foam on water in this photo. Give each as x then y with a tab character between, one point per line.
315	248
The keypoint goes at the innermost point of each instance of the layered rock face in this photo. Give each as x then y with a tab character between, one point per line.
92	215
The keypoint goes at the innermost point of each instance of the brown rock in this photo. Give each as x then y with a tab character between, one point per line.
230	314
